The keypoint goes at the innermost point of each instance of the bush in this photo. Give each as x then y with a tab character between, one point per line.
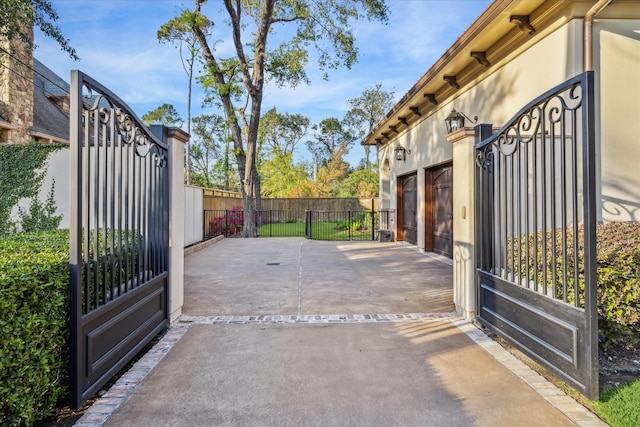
34	334
619	283
618	276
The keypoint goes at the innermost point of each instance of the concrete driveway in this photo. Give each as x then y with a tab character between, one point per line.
291	332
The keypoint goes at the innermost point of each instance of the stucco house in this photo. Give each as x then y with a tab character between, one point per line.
513	52
473	166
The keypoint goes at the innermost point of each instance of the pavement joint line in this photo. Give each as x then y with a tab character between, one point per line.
573	410
300	282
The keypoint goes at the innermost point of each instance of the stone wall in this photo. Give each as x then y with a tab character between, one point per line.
16	92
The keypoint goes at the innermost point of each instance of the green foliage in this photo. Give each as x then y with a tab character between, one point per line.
618	276
620	407
281	178
21	175
34	335
166	114
279	133
40	217
619	283
361	183
17	17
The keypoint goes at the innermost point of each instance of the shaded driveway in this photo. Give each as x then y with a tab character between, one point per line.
290	332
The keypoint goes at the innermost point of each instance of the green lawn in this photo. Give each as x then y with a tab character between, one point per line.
620	406
320	231
282	229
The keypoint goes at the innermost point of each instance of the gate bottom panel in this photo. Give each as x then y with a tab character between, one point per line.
115	333
551	332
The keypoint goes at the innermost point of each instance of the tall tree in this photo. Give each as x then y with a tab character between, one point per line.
324	24
280	177
330	135
178	32
366	111
166	114
279	133
329	177
208	133
18	17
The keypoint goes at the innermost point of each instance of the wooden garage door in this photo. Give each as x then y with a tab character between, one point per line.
408	203
441	205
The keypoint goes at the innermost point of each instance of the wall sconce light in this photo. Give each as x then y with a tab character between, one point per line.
522	21
401	153
455	121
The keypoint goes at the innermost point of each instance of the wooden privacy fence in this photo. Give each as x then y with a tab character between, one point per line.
216	200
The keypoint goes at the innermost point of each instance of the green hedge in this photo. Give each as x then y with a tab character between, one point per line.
618	272
34	334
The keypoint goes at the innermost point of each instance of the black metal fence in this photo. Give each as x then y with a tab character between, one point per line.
341	225
317	225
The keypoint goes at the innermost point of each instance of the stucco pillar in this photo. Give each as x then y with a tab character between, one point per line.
464	295
176	138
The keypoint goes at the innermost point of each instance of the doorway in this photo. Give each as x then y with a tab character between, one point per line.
439	209
407	204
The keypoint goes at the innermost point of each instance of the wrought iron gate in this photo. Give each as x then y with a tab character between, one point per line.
119	236
535	232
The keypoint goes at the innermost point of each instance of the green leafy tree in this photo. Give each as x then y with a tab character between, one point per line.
166	114
329	177
361	183
330	135
281	178
18	17
178	32
366	111
280	132
208	133
322	24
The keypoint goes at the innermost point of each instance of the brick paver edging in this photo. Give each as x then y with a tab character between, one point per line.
318	318
109	402
577	413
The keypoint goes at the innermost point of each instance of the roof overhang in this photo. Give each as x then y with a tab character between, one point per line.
492	39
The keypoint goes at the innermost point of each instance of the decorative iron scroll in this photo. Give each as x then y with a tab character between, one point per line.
532	170
119	235
535	232
106	107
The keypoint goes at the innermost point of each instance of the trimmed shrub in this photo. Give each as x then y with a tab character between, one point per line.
619	283
34	334
618	276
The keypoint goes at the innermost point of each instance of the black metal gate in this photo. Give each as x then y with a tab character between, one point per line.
119	236
535	232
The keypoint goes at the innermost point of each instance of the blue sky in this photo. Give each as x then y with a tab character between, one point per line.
116	41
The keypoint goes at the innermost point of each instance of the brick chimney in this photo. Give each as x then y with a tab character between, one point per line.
16	91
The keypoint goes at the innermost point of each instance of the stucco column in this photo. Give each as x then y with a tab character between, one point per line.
176	138
463	222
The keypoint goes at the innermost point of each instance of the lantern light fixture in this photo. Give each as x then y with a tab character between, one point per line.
401	153
455	121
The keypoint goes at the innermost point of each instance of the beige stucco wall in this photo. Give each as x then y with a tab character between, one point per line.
500	93
617	64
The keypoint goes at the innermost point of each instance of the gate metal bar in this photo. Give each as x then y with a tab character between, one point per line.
119	236
535	232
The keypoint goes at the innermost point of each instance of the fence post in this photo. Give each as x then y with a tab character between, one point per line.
349	224
373	225
226	223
